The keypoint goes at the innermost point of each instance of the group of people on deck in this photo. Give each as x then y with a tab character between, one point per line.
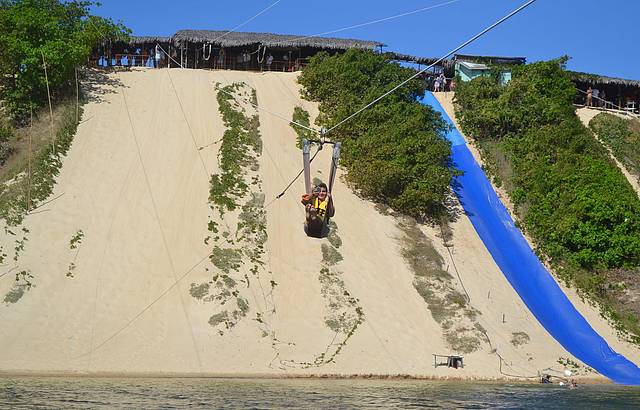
440	83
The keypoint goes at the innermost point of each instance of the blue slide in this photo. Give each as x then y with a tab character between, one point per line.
523	269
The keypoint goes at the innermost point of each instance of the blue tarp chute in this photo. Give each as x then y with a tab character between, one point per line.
522	268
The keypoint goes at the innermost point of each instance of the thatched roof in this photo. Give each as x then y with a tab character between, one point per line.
239	39
595	79
136	40
490	59
446	63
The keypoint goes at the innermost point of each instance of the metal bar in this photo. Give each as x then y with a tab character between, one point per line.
307	166
334	165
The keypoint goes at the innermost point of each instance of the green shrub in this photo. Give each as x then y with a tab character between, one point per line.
394	152
6	136
301	116
63	31
571	198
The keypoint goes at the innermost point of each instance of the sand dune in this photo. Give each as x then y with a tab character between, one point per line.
136	182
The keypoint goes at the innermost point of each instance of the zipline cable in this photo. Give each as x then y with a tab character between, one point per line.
162	233
472	39
381	20
153	302
282	117
247	21
297	176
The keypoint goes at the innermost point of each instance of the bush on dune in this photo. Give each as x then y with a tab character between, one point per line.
394	152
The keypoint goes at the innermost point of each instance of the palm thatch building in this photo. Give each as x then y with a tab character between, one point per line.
226	50
617	92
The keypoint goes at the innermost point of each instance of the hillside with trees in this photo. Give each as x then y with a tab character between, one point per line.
569	196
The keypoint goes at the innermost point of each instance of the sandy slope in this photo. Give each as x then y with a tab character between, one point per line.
140	197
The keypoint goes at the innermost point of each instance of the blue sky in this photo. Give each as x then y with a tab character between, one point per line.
600	36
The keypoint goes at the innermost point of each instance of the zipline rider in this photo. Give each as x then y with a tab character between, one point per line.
318	209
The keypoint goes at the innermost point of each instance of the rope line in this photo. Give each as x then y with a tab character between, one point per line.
153	302
162	233
453	262
282	117
184	115
420	10
297	176
471	40
248	20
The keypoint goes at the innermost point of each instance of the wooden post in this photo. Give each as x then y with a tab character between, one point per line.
77	97
46	77
29	159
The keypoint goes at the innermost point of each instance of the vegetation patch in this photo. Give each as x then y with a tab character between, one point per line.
448	307
199	291
330	255
622	136
240	143
21	285
237	255
62	33
574	202
301	116
395	152
519	338
344	313
333	237
74	243
46	164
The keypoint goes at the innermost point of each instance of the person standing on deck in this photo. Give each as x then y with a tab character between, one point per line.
269	62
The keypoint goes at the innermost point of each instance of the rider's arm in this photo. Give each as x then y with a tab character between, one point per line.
331	210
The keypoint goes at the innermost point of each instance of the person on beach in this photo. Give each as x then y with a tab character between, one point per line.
318	208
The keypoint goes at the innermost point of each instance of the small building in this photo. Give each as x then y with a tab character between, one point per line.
468	67
608	92
467	70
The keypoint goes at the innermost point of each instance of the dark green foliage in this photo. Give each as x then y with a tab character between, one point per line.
63	31
395	152
6	136
301	116
571	198
622	136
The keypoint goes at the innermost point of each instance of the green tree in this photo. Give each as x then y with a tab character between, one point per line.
395	152
570	196
63	32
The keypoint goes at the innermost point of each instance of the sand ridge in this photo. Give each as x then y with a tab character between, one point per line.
139	192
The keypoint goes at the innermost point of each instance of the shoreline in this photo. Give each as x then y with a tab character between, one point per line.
274	376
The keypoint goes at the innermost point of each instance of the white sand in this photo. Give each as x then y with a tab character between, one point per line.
116	314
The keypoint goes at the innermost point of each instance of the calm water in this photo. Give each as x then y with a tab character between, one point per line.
259	393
